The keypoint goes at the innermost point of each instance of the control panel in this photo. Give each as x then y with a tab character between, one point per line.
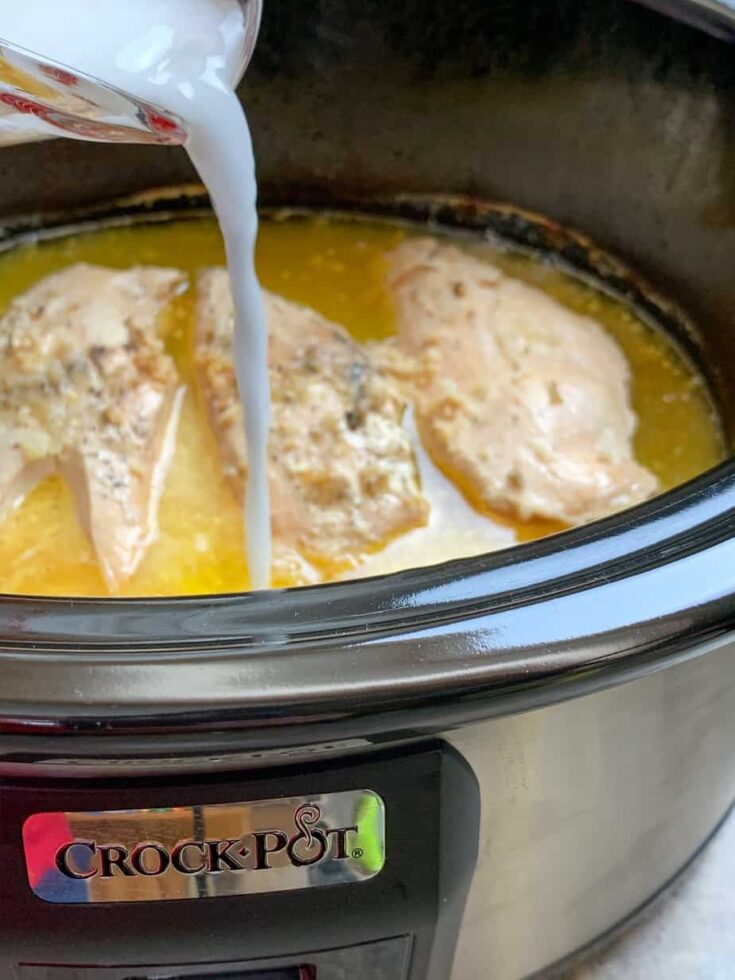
356	869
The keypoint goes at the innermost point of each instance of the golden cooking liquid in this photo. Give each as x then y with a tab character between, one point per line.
338	268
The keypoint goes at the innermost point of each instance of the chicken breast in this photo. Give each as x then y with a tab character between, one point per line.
343	478
525	404
86	390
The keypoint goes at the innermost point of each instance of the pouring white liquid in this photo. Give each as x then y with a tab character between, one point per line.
184	56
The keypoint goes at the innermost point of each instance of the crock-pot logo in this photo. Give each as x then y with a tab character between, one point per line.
307	845
206	850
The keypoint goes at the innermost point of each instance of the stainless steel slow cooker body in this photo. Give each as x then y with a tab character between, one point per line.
588	680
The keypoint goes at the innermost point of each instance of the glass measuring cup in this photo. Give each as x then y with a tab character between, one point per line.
41	97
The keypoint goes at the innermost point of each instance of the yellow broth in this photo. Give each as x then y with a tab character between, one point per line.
338	268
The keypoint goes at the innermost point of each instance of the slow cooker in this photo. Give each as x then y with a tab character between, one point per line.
470	770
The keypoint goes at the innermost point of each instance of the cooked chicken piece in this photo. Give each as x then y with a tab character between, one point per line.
525	404
343	478
455	528
86	390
